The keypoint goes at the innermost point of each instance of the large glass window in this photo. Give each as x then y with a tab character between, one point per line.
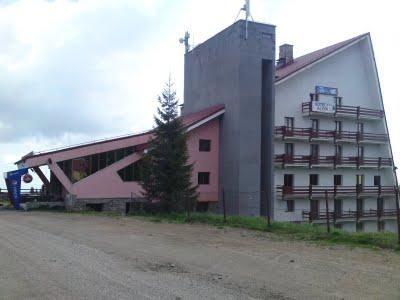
133	172
78	168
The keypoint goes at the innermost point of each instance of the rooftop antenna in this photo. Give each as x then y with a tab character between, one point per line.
246	8
185	40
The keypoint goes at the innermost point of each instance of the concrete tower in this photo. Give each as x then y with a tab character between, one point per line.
238	72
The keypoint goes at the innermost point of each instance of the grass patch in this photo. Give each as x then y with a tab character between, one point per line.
305	232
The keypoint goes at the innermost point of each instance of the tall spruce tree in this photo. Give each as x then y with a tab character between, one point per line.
166	173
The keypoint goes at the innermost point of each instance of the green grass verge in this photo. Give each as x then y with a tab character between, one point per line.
306	232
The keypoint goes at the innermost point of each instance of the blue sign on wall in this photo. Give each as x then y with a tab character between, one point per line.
319	89
13	182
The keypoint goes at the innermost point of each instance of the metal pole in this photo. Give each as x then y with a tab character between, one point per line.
223	204
268	211
328	226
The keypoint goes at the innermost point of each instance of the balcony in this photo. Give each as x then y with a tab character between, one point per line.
350	215
308	161
310	135
344	111
336	192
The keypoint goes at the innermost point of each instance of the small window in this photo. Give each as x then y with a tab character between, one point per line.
338	151
377	180
289	149
338	126
360	152
381	225
359	226
313	179
314	150
315	124
338	226
205	145
339	101
288	180
360	128
290	205
289	123
203	178
337	179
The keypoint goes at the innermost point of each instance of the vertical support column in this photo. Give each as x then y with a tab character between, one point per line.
267	146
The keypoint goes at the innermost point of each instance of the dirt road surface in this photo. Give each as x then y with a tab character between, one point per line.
71	256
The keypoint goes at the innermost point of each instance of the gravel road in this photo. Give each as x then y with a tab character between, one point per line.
71	256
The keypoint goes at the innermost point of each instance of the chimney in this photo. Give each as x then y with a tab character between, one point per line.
285	55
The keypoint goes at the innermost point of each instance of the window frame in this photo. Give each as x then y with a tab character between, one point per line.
204	145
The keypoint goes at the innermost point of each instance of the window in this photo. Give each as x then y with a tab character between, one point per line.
131	172
381	225
360	128
360	205
315	124
377	180
204	145
338	225
78	168
288	180
359	179
290	205
338	126
379	204
313	179
289	123
203	178
338	101
289	149
360	151
314	208
338	151
337	179
338	207
359	226
110	158
314	150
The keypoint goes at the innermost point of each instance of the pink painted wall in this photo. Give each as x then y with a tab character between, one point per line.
206	161
107	184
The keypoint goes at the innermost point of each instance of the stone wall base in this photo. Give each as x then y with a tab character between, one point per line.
113	205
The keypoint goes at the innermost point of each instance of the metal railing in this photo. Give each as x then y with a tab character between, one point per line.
335	135
337	191
335	161
356	111
348	214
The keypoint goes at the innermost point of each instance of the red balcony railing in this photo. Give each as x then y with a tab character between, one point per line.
317	191
335	161
347	110
349	214
310	134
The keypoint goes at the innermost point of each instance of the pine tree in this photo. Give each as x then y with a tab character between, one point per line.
166	174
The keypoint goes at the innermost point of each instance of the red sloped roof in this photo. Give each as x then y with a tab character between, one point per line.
305	60
193	118
188	120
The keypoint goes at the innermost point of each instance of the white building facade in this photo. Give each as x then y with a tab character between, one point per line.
332	145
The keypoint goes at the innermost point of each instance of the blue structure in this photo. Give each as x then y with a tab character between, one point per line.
13	182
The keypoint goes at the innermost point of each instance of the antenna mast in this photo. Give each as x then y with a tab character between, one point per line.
246	8
185	40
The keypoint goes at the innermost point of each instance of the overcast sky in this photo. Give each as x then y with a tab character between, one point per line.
79	70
